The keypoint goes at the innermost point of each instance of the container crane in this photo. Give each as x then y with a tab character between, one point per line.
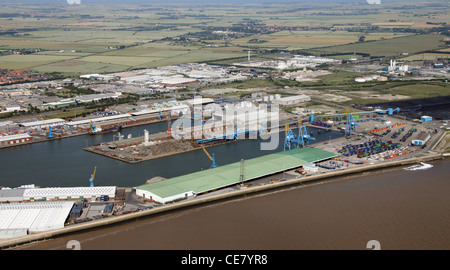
91	180
350	125
289	141
303	136
212	158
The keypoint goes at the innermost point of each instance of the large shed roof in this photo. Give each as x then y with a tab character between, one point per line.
226	175
18	218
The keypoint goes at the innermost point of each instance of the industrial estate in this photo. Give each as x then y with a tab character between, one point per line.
389	109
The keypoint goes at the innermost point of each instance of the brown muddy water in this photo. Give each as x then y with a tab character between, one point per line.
401	209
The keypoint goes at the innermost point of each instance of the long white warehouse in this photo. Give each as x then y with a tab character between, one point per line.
20	219
69	193
291	100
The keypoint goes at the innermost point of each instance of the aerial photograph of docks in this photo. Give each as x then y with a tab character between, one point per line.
205	126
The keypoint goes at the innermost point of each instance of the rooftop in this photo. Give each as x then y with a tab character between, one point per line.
226	175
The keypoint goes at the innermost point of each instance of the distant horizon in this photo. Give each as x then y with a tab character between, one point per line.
167	1
150	2
144	2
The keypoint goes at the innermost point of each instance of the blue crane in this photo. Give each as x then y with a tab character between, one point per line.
303	137
350	125
212	158
50	135
301	140
289	140
91	180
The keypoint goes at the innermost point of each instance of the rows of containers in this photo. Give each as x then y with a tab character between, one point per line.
368	148
408	134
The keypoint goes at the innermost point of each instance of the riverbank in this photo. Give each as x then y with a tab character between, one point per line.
208	199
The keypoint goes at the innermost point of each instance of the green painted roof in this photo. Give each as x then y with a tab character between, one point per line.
226	175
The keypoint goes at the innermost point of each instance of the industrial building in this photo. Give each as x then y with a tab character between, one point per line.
15	139
20	219
97	97
426	118
102	77
421	138
68	193
199	101
11	195
193	184
41	123
176	81
56	193
292	100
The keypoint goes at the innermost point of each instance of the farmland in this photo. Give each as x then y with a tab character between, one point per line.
391	47
95	39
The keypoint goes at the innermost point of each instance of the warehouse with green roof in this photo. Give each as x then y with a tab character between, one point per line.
227	175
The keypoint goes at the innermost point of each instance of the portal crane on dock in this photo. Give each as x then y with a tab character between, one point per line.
91	180
212	158
289	140
350	125
301	140
303	137
50	135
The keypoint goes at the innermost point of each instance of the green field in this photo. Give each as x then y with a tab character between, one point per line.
294	40
391	47
426	56
98	38
79	67
29	61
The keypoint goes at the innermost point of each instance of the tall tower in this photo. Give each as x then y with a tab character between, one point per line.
242	175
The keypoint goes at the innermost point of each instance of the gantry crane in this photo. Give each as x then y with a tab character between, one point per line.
289	140
303	136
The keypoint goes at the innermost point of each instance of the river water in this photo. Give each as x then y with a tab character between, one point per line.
400	209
